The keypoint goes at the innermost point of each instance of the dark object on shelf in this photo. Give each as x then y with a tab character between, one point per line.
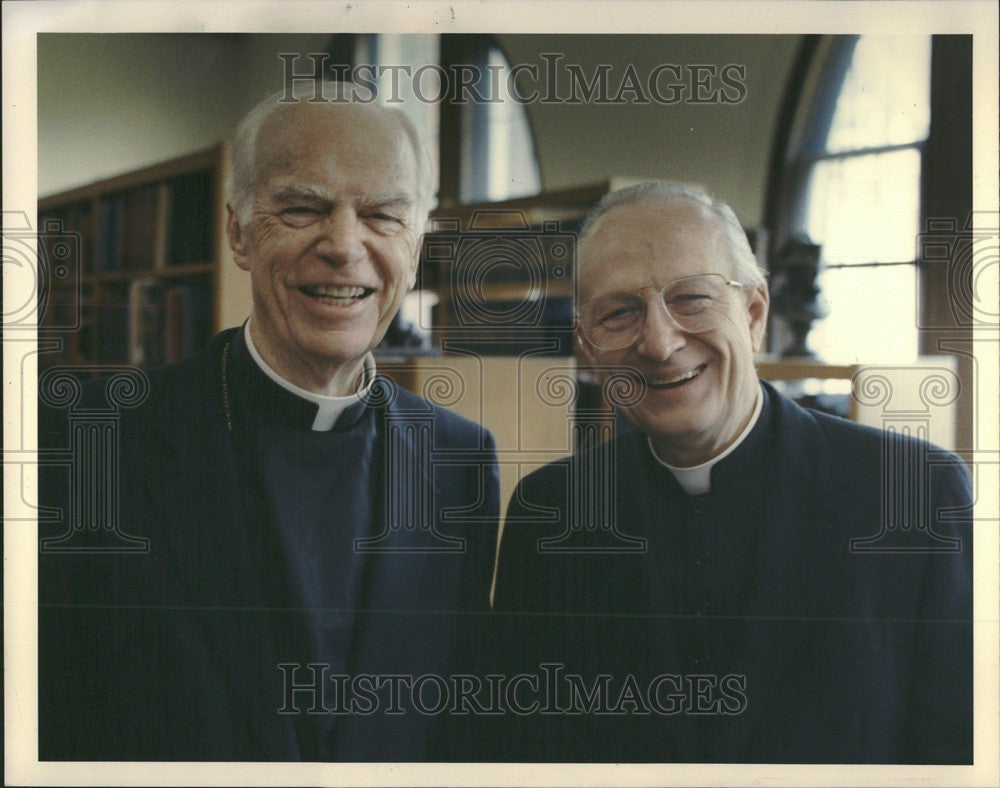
190	227
520	328
402	338
796	299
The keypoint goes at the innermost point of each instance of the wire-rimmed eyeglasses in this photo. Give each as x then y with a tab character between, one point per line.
694	303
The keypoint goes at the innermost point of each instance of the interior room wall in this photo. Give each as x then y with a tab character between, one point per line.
112	103
723	146
109	104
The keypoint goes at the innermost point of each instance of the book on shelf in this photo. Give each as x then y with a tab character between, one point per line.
111	321
138	232
62	242
127	265
145	323
190	221
161	229
132	229
69	222
187	320
110	218
60	329
58	309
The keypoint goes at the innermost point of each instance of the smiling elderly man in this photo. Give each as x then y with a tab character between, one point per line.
308	559
689	590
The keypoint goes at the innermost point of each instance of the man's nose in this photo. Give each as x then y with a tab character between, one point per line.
659	335
341	242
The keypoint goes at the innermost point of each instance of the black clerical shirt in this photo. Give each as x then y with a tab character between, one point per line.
708	543
315	492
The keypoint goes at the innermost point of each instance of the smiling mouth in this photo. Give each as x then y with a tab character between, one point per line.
676	381
338	296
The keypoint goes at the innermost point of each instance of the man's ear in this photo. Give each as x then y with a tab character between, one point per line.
757	309
237	238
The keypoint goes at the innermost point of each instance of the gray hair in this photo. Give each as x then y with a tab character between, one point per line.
244	175
744	264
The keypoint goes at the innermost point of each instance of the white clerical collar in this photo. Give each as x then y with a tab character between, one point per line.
330	408
698	478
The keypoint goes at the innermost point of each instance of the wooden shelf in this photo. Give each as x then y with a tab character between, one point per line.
207	159
918	396
529	402
475	282
172	272
798	369
135	296
568	203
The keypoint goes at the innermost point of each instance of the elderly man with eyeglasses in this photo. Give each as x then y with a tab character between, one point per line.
688	591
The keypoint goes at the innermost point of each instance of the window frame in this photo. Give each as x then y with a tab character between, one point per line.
945	319
945	173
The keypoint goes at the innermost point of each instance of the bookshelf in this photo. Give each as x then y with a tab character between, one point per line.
153	277
503	272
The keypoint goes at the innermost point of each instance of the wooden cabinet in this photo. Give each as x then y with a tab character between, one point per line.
136	268
503	273
530	403
527	402
918	398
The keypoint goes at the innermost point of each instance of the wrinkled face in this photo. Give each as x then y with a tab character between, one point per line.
331	241
698	390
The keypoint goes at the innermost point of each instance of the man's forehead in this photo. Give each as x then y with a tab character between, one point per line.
303	145
349	128
656	220
647	237
332	114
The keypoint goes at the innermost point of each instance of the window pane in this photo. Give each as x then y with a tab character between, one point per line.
513	169
396	50
872	315
885	99
865	209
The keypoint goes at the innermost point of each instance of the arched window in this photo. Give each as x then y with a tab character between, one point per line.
851	181
512	165
455	88
487	145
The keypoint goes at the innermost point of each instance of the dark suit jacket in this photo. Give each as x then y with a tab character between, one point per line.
849	651
172	652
